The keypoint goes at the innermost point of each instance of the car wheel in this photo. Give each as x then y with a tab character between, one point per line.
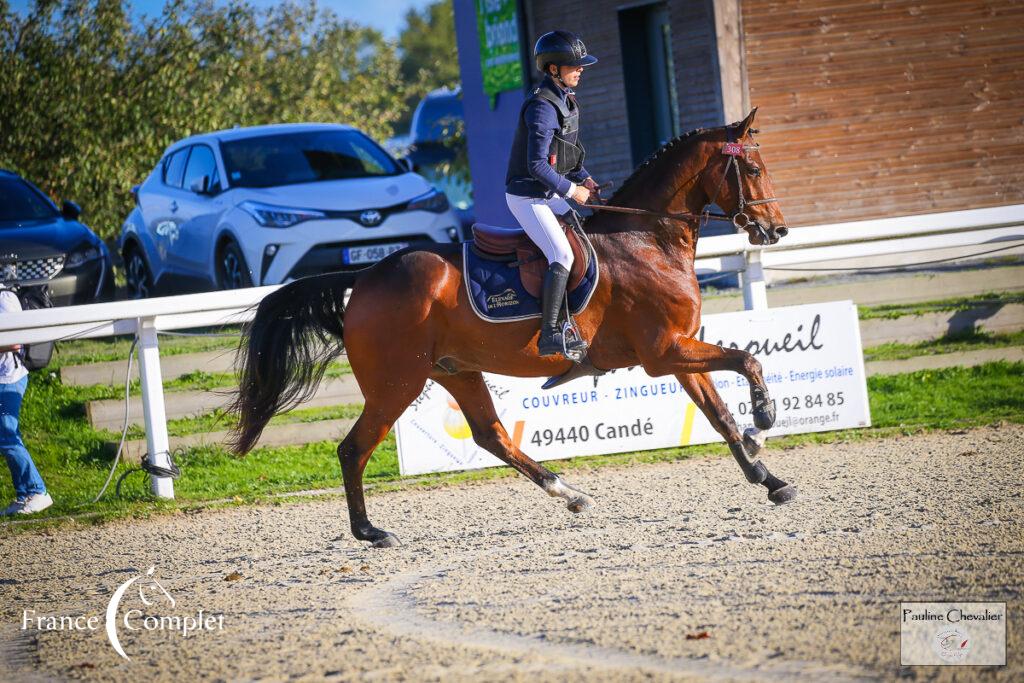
231	270
137	275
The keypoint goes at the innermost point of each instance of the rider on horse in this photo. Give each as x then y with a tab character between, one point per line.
546	167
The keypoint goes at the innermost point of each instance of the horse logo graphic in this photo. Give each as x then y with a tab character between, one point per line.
150	593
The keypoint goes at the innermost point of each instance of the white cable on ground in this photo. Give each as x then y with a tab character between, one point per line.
124	429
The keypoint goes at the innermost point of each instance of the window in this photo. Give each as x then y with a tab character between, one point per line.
308	157
201	163
174	167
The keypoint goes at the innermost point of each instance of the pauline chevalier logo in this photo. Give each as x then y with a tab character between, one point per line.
953	633
157	613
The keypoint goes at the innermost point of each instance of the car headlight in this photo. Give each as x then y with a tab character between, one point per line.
270	216
434	201
80	256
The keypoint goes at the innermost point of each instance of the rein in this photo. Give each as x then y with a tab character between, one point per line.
658	214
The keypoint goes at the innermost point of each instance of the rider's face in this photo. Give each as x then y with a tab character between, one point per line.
570	75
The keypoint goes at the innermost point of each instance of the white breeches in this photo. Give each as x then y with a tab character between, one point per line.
538	218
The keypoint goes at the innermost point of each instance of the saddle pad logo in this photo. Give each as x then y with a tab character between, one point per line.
503	299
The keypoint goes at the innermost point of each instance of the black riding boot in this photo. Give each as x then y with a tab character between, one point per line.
555	280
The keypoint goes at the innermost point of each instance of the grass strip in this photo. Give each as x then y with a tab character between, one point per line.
73	461
219	420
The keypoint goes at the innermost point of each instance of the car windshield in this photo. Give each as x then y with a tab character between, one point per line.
19	202
309	157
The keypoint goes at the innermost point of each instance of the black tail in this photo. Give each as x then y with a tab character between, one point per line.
285	351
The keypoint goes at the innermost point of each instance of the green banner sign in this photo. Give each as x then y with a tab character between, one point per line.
498	28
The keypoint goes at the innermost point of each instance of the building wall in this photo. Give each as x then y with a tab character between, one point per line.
872	109
601	92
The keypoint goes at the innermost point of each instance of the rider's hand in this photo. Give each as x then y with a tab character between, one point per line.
580	195
595	189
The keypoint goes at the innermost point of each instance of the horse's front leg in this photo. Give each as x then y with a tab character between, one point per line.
690	360
702	390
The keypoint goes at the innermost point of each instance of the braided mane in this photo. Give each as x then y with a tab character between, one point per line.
659	154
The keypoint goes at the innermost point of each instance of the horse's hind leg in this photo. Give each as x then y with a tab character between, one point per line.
386	399
469	389
354	452
702	390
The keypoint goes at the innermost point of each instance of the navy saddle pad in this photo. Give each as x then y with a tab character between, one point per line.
497	294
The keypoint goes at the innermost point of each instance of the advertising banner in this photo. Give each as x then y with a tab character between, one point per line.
811	358
498	30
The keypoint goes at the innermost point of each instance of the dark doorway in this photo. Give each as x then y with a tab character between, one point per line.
651	102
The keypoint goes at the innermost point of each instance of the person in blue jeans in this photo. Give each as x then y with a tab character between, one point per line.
30	491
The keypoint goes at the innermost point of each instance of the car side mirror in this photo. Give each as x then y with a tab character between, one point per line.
201	185
70	211
406	163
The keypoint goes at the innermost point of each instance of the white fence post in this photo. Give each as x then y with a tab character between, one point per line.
157	442
755	293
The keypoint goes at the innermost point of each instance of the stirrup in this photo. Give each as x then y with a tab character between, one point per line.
573	346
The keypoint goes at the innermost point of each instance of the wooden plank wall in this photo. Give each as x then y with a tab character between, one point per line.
872	109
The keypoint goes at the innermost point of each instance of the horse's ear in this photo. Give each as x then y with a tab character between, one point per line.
743	127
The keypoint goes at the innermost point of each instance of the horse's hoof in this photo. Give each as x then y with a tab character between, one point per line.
753	441
580	504
387	541
783	495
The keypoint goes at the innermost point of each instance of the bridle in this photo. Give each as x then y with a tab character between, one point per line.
739	217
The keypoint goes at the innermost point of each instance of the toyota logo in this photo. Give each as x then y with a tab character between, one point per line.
370	218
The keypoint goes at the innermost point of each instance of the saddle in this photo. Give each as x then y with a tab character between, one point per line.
514	246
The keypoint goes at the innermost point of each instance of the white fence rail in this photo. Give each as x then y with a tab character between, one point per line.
995	226
143	318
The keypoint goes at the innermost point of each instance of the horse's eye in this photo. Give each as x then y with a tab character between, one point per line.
754	171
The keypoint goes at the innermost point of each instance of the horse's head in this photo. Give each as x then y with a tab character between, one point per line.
737	179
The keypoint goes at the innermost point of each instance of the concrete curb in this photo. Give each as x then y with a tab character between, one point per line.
945	360
109	413
878	290
171	367
910	329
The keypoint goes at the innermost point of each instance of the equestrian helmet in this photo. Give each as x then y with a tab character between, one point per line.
562	48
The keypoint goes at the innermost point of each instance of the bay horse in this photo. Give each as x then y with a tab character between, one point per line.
409	319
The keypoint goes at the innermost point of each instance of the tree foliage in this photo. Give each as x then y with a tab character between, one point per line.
90	96
429	57
428	46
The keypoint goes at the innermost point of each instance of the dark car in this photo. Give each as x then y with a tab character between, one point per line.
50	247
433	144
